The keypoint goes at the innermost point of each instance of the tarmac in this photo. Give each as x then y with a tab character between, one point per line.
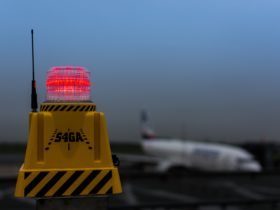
173	190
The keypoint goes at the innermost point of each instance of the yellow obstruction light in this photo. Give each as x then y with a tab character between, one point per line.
68	151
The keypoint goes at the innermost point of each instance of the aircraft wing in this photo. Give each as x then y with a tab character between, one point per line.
145	162
138	158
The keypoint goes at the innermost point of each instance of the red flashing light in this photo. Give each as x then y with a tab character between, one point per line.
68	83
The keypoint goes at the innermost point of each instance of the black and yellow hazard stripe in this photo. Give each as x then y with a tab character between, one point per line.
67	183
67	107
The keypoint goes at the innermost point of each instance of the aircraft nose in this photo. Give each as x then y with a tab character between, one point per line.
253	167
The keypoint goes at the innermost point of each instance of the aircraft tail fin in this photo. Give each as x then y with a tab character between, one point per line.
146	131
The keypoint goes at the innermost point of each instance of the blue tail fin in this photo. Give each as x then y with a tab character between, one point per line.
146	131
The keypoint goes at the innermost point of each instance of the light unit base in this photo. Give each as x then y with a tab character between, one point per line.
68	153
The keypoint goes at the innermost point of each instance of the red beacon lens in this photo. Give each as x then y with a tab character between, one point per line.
68	83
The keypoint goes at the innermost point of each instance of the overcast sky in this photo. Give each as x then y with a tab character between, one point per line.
202	69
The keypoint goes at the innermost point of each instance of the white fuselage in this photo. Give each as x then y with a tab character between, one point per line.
200	155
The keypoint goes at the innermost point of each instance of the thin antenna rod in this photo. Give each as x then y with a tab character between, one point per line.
34	103
33	69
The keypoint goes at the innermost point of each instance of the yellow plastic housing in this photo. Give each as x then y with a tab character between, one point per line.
68	153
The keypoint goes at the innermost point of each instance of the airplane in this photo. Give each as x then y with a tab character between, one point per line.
190	154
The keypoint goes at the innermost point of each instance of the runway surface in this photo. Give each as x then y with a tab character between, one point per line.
177	190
